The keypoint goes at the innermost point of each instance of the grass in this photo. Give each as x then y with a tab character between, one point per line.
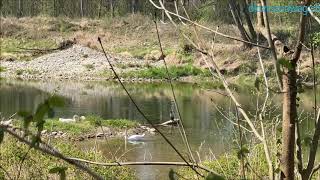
10	47
85	126
37	164
175	72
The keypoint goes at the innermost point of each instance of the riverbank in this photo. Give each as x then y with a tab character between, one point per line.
134	52
91	127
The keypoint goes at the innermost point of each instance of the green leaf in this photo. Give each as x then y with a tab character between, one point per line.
27	119
242	152
1	135
285	63
171	174
212	176
24	114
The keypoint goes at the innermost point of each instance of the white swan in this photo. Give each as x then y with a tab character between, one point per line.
74	119
136	137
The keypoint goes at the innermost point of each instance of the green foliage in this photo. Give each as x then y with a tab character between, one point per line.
315	38
174	71
38	165
115	123
59	170
242	152
285	63
38	117
10	47
212	176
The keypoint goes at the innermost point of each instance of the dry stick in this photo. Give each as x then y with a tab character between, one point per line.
225	84
313	15
206	28
265	80
243	170
174	95
143	115
271	45
146	163
51	151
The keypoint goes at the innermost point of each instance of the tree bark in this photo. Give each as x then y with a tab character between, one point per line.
81	8
290	109
236	18
20	7
288	125
253	34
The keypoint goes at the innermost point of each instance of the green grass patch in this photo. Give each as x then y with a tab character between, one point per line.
174	71
37	164
115	123
84	126
10	47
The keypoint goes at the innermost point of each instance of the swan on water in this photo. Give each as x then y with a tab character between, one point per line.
136	137
66	120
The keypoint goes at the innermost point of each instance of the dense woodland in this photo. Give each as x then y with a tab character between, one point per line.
198	9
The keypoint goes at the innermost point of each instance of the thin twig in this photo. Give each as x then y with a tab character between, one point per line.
174	96
206	28
145	163
45	148
143	115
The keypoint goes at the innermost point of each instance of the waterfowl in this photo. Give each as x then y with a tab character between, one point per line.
136	137
66	120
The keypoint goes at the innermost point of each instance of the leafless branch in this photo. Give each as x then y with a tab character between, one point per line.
204	27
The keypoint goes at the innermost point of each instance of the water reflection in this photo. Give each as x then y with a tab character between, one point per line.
207	129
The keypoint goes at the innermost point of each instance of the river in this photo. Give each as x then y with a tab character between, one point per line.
209	133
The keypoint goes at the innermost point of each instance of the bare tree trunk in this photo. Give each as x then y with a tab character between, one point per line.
253	34
112	8
235	14
20	7
290	108
81	8
133	6
289	117
163	13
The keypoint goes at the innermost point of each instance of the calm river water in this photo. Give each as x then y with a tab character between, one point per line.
208	131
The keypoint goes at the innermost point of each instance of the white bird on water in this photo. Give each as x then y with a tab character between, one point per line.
136	137
74	119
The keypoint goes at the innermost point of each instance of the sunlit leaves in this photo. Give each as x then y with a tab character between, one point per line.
43	109
212	176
